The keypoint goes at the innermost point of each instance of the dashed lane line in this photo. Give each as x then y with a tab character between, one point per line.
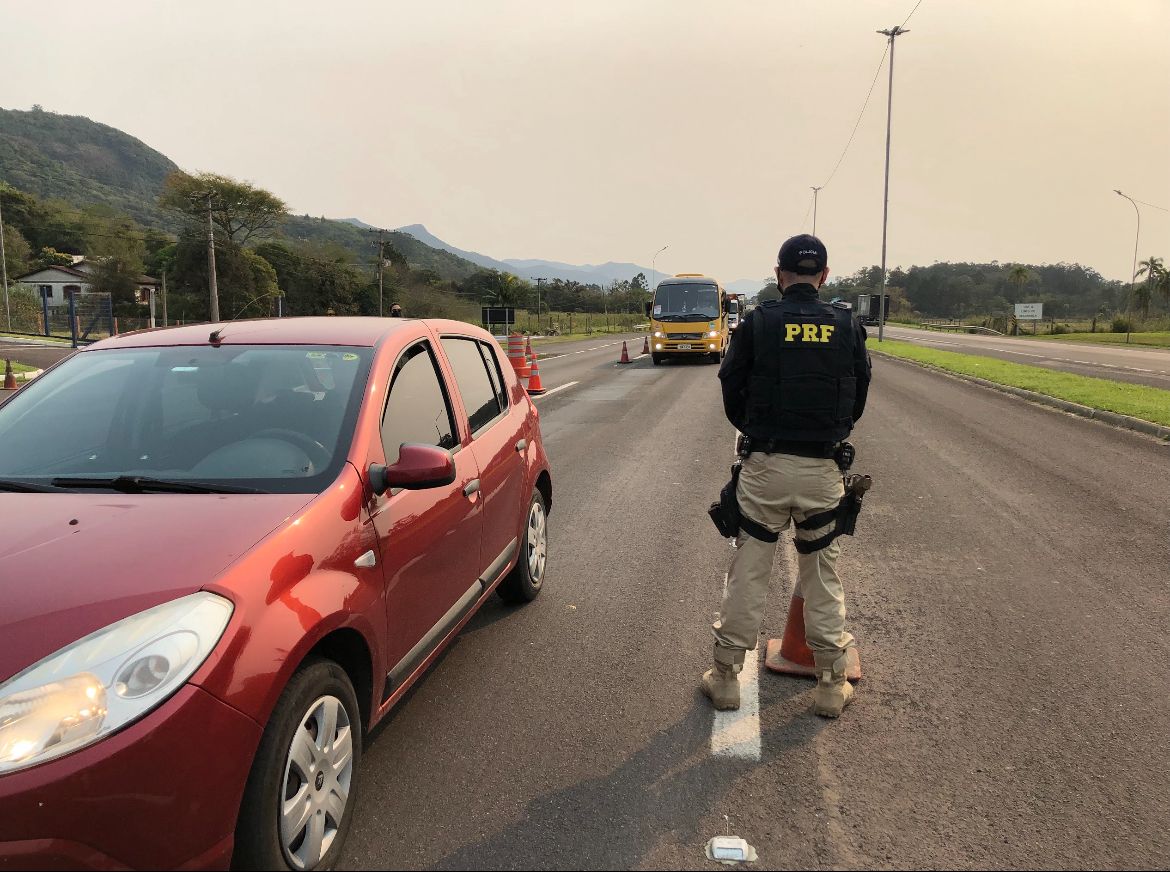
552	391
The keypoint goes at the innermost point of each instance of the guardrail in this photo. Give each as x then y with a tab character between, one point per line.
968	328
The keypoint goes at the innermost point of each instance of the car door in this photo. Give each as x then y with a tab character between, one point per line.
497	443
430	540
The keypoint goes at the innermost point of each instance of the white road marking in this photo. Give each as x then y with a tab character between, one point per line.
549	393
737	733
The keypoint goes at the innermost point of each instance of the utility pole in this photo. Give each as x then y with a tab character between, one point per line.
815	191
213	287
164	295
381	264
1136	239
539	282
891	34
4	267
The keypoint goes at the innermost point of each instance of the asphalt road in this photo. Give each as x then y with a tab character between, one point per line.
1128	363
1007	588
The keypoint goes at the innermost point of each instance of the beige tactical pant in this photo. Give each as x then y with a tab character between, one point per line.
774	489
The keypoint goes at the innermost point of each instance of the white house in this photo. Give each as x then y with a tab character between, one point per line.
58	283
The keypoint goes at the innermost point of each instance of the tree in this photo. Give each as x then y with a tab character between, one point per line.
240	211
1019	275
1157	281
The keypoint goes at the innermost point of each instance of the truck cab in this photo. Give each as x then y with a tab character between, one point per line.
689	317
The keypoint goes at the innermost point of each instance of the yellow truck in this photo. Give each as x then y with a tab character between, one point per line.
688	317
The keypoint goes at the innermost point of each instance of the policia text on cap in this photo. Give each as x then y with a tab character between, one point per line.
794	382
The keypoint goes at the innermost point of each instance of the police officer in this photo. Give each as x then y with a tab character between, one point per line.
794	383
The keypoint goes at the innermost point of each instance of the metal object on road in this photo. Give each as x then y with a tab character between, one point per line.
730	850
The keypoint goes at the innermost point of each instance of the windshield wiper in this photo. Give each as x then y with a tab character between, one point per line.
26	487
138	484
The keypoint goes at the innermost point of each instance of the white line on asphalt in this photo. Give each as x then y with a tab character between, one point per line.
549	393
737	733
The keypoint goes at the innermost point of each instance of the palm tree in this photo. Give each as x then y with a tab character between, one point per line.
1019	275
1157	279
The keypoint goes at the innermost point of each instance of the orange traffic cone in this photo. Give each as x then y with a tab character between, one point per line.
516	355
625	354
528	352
535	387
9	376
792	656
646	345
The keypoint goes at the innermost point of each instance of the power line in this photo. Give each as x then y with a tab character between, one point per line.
860	114
1152	206
912	11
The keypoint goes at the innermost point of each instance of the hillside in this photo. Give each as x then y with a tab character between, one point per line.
83	162
72	158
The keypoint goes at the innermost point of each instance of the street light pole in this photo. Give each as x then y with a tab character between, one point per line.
653	267
815	191
539	282
1133	275
891	34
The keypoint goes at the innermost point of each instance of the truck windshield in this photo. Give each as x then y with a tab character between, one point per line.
686	301
273	418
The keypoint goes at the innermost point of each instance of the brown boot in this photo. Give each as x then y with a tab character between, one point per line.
833	691
720	682
721	686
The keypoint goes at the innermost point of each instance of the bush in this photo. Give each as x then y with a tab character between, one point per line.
1057	329
1121	325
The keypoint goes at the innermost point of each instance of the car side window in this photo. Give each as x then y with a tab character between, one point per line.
417	409
493	367
480	396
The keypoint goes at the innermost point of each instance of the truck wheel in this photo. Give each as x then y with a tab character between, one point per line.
656	359
299	800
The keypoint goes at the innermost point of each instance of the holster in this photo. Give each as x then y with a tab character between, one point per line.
728	518
843	517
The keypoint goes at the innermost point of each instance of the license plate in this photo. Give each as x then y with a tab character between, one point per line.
684	346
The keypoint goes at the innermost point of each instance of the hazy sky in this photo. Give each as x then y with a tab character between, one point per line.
602	130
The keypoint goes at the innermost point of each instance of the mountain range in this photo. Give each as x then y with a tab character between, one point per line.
84	162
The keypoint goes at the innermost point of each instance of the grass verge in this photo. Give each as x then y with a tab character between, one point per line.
1138	401
1158	340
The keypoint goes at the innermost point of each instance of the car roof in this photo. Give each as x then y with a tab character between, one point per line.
330	330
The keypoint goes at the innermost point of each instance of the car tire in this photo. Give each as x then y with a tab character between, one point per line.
656	359
320	690
523	583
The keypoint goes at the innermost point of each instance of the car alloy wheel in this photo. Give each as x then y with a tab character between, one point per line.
316	786
537	542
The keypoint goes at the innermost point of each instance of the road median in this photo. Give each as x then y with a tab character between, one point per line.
1134	407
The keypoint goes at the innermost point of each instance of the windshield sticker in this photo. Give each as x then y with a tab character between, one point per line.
315	355
657	310
349	356
184	369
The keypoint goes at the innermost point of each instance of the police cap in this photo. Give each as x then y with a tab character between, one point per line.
804	255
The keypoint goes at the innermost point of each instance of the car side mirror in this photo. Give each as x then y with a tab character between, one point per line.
649	307
726	304
419	467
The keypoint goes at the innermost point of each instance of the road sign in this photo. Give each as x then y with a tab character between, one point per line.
505	315
1029	311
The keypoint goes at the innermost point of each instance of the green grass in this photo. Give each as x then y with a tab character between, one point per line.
1138	401
1160	340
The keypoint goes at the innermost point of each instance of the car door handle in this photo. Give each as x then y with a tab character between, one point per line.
471	487
522	445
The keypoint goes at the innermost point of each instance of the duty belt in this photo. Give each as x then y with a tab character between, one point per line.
823	450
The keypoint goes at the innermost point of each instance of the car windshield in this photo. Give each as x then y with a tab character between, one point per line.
686	301
274	418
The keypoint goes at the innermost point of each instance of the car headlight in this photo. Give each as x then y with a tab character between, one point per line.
659	334
107	680
712	334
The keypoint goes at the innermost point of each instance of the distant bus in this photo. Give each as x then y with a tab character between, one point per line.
688	317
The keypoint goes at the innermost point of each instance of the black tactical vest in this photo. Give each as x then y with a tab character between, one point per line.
802	384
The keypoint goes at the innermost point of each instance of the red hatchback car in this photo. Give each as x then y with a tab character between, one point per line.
224	555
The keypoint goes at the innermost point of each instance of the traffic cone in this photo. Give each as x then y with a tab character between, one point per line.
792	656
517	357
529	353
646	345
625	354
535	388
9	376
